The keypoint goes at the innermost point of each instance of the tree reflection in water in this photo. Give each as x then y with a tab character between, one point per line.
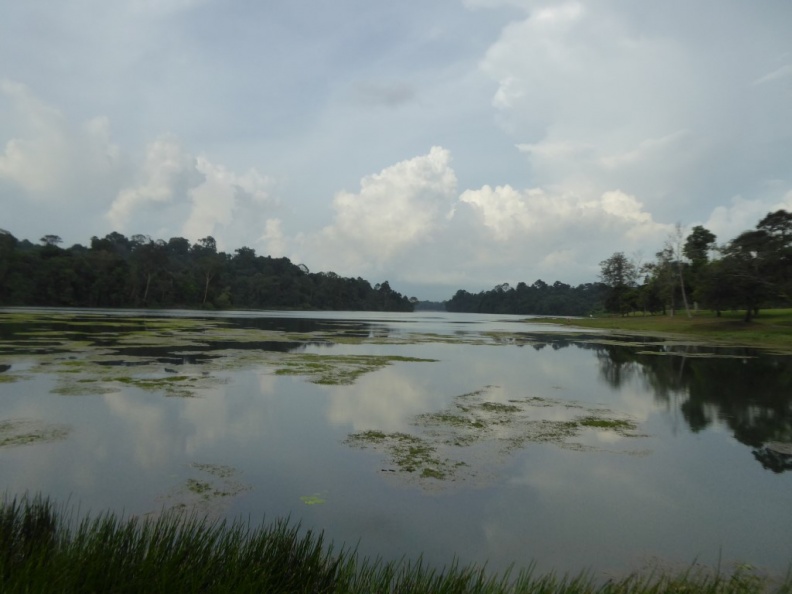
748	391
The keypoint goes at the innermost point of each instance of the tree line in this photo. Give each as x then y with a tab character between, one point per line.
138	271
540	298
750	272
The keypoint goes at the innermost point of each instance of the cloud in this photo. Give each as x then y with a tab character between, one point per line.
408	225
273	239
508	214
167	172
599	99
192	196
162	7
743	214
78	168
554	236
224	199
394	211
387	94
50	159
784	71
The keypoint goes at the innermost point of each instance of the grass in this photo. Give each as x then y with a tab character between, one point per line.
43	550
771	329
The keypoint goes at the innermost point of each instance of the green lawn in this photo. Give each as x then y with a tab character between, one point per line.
771	329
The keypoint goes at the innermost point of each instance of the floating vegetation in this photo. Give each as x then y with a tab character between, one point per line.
172	385
315	499
204	492
441	447
621	426
409	453
336	370
216	470
82	387
92	355
17	432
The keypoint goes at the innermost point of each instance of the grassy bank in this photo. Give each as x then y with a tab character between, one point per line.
43	550
770	329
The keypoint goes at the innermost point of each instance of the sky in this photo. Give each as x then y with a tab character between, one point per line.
443	145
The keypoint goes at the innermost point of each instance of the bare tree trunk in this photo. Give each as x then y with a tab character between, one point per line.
209	278
145	293
682	287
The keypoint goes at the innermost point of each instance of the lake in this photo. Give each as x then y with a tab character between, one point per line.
483	438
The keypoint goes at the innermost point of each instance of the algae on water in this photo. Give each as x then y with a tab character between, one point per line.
465	440
17	432
338	370
91	355
315	499
208	489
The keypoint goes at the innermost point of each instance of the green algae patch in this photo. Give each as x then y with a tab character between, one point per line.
336	370
497	407
184	386
216	470
208	490
621	426
407	453
108	380
315	499
99	354
478	433
82	387
18	432
198	487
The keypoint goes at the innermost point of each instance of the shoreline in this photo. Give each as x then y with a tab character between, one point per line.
770	330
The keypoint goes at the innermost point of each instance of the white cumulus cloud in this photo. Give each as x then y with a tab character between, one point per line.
48	157
192	196
395	210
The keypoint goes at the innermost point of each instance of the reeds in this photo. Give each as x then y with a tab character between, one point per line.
43	550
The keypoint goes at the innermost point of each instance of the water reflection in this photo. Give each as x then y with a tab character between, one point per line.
682	489
750	394
386	401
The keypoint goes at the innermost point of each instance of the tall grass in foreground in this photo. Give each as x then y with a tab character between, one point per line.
41	550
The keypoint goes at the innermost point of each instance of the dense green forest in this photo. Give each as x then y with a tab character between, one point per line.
137	271
750	272
558	299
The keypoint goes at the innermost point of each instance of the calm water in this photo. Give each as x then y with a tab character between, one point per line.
227	415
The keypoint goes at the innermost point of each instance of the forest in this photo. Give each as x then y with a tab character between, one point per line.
749	272
539	298
137	271
690	271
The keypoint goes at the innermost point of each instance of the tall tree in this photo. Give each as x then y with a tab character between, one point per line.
699	243
7	245
675	244
208	260
619	273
